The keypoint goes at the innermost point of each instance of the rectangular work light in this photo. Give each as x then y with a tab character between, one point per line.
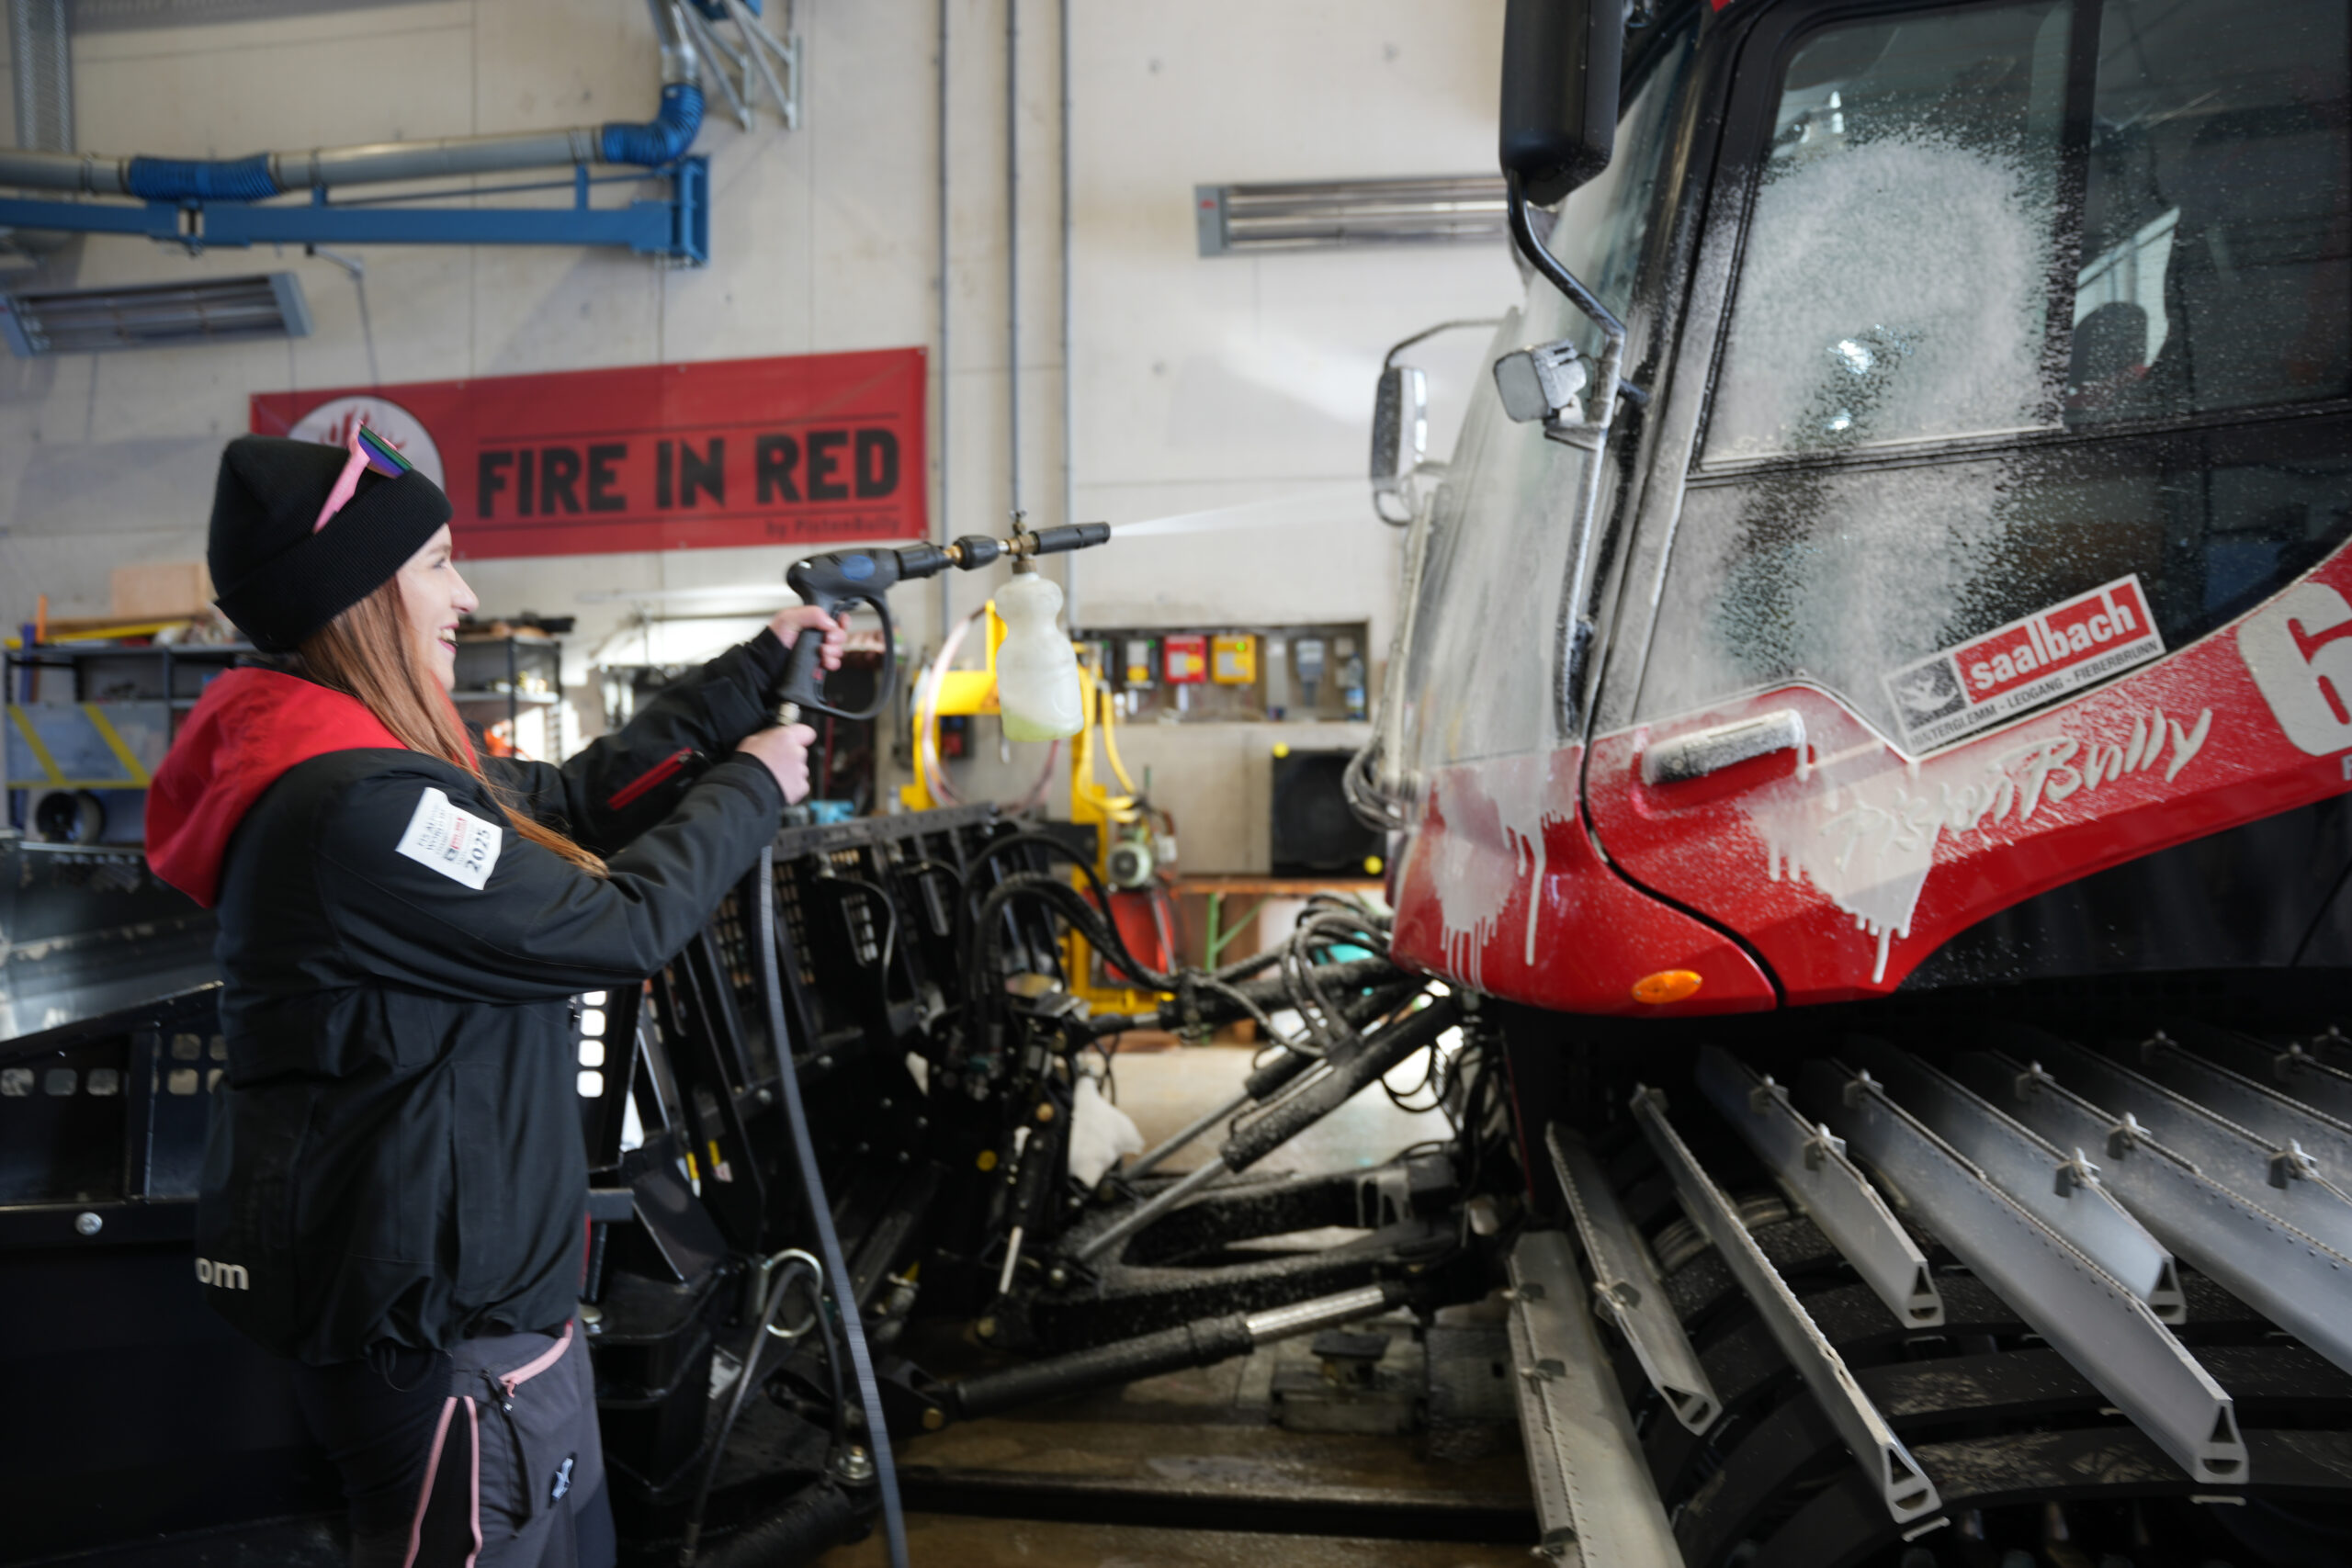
155	315
1330	214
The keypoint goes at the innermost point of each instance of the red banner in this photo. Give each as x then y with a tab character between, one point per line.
799	450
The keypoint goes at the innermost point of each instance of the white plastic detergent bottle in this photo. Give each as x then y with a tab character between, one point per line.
1037	669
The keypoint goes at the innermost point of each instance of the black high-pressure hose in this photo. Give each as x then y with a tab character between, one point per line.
1033	840
1115	949
745	1381
1073	906
828	1242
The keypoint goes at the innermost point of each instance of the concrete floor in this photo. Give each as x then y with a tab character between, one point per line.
955	1542
1204	1443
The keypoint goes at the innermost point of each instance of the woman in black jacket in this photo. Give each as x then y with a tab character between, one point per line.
394	1189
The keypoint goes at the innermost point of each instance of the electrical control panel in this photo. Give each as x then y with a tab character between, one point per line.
1220	674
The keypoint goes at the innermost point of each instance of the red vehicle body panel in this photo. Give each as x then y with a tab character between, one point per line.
1503	891
1846	867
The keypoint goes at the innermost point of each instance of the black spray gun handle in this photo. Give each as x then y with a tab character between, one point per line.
833	583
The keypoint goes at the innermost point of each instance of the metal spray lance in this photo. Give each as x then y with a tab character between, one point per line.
834	581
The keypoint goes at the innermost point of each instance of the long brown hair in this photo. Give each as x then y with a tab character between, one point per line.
369	652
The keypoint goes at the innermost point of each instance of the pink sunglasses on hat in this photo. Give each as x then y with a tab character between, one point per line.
368	450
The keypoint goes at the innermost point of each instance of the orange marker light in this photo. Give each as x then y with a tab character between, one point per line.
1667	986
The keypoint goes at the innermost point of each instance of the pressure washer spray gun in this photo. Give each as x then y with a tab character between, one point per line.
867	577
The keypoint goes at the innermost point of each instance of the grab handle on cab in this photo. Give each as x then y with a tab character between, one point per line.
1711	750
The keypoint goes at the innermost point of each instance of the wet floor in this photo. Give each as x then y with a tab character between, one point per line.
1188	1469
986	1544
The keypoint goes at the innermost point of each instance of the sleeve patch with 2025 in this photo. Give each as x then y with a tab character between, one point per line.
457	844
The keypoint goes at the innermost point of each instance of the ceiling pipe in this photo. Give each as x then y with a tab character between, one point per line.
946	387
1013	238
1069	371
652	144
41	54
40	57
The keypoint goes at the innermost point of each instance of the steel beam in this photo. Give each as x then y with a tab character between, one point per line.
1594	1497
1626	1286
2295	1281
1813	1168
642	226
1910	1497
679	228
2104	1331
160	221
2062	1192
752	36
2262	1173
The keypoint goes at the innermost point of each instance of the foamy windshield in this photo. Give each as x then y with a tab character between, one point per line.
1895	283
1893	290
1876	490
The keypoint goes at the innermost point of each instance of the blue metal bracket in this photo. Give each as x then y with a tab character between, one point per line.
678	228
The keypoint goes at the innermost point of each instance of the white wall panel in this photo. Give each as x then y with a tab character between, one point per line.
1200	383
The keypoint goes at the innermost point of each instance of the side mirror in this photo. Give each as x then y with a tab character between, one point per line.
1561	61
1400	435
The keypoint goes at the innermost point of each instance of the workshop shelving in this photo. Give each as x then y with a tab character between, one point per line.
506	679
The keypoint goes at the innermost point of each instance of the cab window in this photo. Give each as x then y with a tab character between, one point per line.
2024	298
2216	249
1895	282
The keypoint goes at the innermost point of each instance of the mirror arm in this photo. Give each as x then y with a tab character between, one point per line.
1389	361
1539	256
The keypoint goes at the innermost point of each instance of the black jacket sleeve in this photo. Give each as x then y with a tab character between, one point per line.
535	927
707	712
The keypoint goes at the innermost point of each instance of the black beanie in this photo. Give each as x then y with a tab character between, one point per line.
278	580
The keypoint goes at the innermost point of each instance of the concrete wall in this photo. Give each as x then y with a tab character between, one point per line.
1200	384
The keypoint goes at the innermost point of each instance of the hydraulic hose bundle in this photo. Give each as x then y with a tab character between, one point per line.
1087	918
1322	995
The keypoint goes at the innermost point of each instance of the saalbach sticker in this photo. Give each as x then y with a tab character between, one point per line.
457	844
1951	696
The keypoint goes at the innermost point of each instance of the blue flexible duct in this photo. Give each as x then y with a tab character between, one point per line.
198	179
661	140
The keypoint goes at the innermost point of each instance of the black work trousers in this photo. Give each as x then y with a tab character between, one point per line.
485	1455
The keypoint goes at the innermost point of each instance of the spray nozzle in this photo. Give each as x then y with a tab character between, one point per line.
1054	541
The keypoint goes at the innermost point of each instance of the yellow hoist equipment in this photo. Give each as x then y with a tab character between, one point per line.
946	693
